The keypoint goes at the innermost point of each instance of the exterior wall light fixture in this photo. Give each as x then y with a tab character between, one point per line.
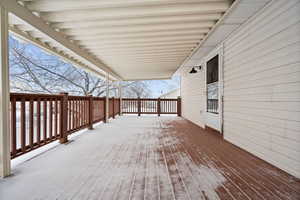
195	69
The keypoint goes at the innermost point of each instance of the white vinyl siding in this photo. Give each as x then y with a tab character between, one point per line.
193	96
262	86
261	66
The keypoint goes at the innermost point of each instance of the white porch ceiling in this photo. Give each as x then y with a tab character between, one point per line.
130	39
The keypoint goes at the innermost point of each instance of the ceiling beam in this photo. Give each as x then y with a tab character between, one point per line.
165	33
149	52
138	11
201	27
150	62
62	5
156	57
142	46
140	43
138	21
184	52
24	14
117	51
143	40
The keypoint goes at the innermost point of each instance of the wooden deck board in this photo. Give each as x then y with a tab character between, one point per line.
148	158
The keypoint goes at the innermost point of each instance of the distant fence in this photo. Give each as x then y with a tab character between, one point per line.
38	119
151	106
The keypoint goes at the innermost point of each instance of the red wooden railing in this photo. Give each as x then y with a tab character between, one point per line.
98	109
151	106
38	119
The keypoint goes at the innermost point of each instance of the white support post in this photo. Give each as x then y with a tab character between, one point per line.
120	96
4	93
107	98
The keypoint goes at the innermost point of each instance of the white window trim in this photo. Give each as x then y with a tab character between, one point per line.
217	51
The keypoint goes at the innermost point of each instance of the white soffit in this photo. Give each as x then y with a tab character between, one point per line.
134	39
238	14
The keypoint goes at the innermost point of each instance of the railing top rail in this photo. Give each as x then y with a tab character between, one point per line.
28	96
78	97
150	99
175	99
98	98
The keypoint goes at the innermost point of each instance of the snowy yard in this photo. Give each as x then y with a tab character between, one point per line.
147	157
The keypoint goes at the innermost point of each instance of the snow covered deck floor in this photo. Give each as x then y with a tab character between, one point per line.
148	158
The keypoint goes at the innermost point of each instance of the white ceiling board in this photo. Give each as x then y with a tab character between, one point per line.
145	35
130	30
145	40
139	21
132	39
135	11
62	5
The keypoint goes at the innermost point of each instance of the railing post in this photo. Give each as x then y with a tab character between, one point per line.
158	106
63	118
120	106
139	106
179	107
107	99
113	107
120	98
104	110
91	110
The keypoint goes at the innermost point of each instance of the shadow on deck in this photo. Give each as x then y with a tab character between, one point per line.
148	158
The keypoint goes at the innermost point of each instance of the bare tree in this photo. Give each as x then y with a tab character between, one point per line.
34	71
137	89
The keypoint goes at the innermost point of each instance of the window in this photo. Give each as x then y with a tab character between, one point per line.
212	84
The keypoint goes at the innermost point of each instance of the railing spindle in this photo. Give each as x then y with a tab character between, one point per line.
13	127
31	123
45	120
38	115
55	118
50	120
23	126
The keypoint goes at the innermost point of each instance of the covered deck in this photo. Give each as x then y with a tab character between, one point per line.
148	157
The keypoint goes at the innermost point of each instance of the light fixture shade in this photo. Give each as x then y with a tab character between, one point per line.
193	71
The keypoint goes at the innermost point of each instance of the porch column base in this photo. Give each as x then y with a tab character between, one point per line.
63	140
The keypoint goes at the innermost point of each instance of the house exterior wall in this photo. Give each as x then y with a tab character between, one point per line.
193	95
261	64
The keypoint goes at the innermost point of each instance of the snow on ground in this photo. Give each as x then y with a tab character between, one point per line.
124	159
